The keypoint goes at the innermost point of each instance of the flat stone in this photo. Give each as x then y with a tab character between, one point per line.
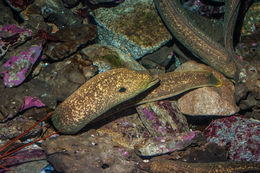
89	152
132	26
208	100
109	57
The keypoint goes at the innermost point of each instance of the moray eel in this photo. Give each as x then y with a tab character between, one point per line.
98	95
172	166
199	43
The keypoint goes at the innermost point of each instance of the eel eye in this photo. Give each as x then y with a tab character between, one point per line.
122	89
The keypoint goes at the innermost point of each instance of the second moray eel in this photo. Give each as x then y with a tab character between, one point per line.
108	89
193	38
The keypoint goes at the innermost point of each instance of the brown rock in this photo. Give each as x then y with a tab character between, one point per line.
69	39
109	57
208	100
88	152
66	76
126	131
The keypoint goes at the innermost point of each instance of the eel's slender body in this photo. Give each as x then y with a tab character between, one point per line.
193	38
98	95
106	90
174	83
171	166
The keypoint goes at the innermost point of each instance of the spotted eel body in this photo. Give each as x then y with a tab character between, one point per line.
98	95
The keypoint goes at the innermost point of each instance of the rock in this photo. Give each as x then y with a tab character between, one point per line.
167	144
251	20
126	131
70	3
54	12
12	35
31	167
54	84
6	15
27	161
90	152
69	39
248	89
240	135
17	126
108	57
208	100
14	97
133	26
168	127
20	62
64	77
163	118
18	5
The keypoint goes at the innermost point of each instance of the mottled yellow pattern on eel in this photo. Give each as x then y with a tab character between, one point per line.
193	38
98	95
170	166
174	83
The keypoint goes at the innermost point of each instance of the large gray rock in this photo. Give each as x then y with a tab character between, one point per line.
132	26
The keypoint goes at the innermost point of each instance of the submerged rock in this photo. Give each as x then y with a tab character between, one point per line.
132	26
18	5
6	15
208	100
55	12
126	131
251	20
12	35
20	62
168	127
163	118
17	126
64	77
109	57
240	135
69	39
89	152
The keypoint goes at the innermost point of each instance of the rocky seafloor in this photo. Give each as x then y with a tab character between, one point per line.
191	119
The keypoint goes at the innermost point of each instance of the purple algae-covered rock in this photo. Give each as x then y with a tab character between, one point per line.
161	145
168	127
163	118
12	34
241	136
19	63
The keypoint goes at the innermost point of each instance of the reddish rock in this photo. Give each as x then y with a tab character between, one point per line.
240	135
208	100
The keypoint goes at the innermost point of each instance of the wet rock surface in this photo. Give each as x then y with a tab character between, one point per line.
114	27
108	57
49	48
240	135
89	151
17	126
69	39
208	100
